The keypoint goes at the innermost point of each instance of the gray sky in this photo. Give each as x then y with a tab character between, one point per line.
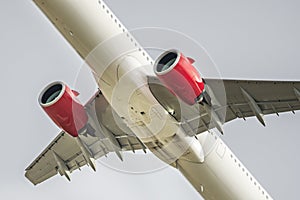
247	39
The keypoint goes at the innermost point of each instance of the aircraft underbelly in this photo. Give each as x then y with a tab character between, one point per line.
222	175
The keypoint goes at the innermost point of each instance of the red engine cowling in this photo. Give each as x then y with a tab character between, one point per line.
62	106
178	74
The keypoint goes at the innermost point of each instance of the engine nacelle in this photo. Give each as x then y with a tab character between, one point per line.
178	74
62	106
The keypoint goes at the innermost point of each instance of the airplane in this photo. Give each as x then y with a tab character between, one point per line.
212	169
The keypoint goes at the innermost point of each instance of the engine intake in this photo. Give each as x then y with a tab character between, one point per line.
179	75
62	106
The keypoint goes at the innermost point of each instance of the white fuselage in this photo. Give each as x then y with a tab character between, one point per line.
121	67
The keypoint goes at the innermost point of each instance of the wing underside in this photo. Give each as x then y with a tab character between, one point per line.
64	153
239	99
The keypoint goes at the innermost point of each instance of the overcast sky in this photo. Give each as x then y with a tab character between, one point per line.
247	40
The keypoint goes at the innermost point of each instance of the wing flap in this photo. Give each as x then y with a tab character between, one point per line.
45	166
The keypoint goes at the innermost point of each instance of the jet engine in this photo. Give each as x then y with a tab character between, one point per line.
179	75
62	106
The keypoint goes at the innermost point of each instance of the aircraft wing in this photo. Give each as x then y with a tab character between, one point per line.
239	99
270	97
64	154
